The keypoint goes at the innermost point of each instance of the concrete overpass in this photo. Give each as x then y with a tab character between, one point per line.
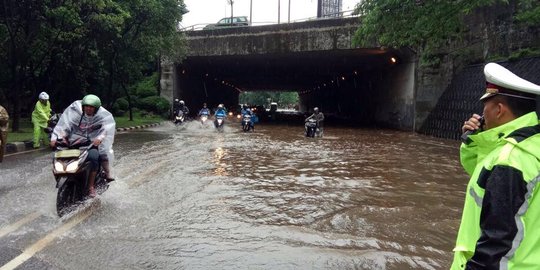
370	86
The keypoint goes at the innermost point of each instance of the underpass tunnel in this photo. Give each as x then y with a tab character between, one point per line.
363	87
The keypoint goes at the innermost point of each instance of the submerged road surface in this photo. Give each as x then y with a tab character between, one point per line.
193	198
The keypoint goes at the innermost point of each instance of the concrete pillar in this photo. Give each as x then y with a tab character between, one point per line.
168	80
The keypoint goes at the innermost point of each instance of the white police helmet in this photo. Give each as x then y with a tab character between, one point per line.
316	109
501	81
43	96
220	106
182	102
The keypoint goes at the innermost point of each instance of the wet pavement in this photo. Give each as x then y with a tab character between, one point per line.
192	198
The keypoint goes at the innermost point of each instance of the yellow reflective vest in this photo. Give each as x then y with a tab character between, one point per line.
500	224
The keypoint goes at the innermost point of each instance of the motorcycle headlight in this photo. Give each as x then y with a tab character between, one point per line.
72	167
59	167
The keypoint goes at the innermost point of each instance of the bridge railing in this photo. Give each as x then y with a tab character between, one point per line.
342	14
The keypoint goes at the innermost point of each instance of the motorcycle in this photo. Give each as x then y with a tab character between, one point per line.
247	123
53	120
219	122
203	118
71	170
311	128
179	118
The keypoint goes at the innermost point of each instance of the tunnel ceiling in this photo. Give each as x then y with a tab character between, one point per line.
285	71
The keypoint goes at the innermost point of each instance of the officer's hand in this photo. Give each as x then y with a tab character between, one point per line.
96	142
53	144
472	124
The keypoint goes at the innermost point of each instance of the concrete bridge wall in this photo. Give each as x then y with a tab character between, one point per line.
316	59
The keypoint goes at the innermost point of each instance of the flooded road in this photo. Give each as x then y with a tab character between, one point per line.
193	198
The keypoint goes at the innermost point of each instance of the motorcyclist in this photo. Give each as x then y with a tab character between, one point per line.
183	107
40	118
247	111
221	111
319	117
87	120
176	107
204	110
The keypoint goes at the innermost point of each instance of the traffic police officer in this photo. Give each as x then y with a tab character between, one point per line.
500	224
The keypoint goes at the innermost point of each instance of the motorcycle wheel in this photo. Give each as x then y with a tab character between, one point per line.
66	198
311	132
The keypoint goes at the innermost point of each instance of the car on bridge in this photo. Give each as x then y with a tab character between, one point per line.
227	22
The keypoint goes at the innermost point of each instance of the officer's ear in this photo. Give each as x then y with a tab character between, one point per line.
503	110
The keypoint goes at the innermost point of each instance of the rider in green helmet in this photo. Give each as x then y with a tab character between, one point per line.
91	100
86	120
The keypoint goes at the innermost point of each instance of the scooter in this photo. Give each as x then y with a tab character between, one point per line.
311	128
203	118
247	123
71	170
53	120
179	118
219	122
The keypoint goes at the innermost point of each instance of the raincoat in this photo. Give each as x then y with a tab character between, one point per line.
220	112
77	127
40	117
500	224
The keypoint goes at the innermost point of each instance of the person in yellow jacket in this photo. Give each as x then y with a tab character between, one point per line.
40	118
500	224
4	124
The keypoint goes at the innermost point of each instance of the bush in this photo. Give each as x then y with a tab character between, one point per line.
120	107
147	87
155	104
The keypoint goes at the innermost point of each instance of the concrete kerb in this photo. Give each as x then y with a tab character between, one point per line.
15	147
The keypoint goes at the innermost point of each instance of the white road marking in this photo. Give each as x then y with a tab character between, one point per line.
13	227
45	241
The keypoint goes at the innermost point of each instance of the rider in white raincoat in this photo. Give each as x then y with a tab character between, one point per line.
86	121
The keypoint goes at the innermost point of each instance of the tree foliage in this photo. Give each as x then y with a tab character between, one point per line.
529	12
263	98
70	48
422	25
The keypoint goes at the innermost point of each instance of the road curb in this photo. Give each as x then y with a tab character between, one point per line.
15	147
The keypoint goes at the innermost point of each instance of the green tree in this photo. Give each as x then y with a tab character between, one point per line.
529	12
427	26
422	25
262	97
70	48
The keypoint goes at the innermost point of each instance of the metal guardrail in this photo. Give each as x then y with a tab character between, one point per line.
342	14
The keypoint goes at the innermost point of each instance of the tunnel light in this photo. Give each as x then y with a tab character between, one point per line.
393	60
206	75
324	84
183	71
222	82
342	78
355	72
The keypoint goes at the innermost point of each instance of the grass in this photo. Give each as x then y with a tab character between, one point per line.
26	132
123	121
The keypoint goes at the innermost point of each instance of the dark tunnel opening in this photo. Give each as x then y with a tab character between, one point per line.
361	87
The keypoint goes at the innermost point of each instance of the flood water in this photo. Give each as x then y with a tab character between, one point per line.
193	198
